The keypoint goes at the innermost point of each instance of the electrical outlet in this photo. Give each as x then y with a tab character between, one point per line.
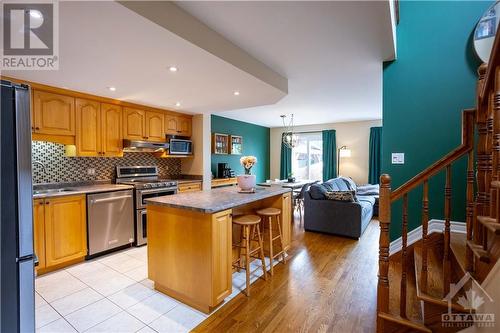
91	171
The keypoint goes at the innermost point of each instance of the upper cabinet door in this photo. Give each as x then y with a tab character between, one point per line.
134	124
88	125
184	127
171	125
53	113
155	126
111	130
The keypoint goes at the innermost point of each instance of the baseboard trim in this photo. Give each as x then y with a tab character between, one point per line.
416	234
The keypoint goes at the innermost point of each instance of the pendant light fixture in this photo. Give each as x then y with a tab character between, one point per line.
289	137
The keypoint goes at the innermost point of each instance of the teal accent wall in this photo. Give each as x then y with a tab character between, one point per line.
255	142
424	93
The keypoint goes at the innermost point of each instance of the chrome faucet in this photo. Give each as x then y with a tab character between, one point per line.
44	168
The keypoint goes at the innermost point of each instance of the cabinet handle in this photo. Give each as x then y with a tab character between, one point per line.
46	202
40	203
37	128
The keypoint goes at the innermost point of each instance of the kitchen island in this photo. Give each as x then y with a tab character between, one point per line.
190	239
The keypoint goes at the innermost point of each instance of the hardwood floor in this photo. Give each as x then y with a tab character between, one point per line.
328	285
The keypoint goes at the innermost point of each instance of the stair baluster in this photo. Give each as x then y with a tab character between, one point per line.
425	228
469	210
404	258
383	261
447	225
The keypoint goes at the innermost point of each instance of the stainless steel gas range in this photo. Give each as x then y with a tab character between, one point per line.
147	184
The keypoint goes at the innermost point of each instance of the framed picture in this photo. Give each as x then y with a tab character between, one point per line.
220	143
236	142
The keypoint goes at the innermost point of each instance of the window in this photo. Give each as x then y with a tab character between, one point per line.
307	156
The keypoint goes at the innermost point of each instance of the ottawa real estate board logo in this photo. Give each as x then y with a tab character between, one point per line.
30	35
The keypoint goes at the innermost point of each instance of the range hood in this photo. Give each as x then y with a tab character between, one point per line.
132	146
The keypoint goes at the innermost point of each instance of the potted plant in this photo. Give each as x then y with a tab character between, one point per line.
247	181
291	178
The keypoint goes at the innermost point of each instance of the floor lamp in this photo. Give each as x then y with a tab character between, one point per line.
342	152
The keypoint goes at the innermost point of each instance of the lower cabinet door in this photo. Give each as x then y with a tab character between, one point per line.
65	229
39	232
222	282
286	217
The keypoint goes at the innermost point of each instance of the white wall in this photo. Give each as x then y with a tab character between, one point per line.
354	135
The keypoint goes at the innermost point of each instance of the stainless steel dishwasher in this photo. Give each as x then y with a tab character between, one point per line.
110	218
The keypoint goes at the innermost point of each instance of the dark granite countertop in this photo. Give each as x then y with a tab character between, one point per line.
215	200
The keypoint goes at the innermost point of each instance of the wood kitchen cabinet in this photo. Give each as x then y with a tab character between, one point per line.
221	255
111	130
134	124
39	232
189	187
88	125
178	125
60	231
53	114
286	218
143	125
98	129
155	126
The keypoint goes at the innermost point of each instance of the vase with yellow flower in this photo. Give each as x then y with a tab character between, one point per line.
247	181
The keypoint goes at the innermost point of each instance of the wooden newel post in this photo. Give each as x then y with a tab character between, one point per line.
383	261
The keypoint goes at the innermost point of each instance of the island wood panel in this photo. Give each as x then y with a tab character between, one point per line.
189	255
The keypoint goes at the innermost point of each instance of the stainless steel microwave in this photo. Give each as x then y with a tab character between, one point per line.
180	147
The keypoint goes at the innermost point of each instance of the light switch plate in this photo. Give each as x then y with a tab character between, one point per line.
398	158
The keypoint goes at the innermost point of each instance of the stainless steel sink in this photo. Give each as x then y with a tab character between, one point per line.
53	191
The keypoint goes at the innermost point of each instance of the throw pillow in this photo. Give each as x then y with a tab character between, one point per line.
347	196
350	183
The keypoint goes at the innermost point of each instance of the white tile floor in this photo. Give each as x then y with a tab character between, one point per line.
113	294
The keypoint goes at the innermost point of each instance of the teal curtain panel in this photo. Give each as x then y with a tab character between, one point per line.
375	155
286	160
329	155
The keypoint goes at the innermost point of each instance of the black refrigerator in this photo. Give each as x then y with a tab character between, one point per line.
17	309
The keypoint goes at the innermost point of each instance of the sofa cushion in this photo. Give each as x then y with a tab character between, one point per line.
317	192
366	198
368	190
350	183
337	184
347	196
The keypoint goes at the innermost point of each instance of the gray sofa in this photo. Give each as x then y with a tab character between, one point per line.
348	219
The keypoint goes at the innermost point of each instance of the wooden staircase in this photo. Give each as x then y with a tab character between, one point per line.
414	283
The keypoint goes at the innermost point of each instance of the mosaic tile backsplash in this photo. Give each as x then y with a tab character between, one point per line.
60	168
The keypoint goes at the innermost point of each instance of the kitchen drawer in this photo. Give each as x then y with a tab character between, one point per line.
190	187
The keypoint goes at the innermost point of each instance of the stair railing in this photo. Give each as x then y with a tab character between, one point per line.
387	197
479	210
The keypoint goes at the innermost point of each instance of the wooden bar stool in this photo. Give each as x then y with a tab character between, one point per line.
270	213
249	229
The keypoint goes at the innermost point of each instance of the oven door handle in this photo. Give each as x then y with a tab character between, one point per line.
158	190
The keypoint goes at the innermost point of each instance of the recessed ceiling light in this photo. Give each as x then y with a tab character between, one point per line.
172	69
178	104
112	88
236	93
